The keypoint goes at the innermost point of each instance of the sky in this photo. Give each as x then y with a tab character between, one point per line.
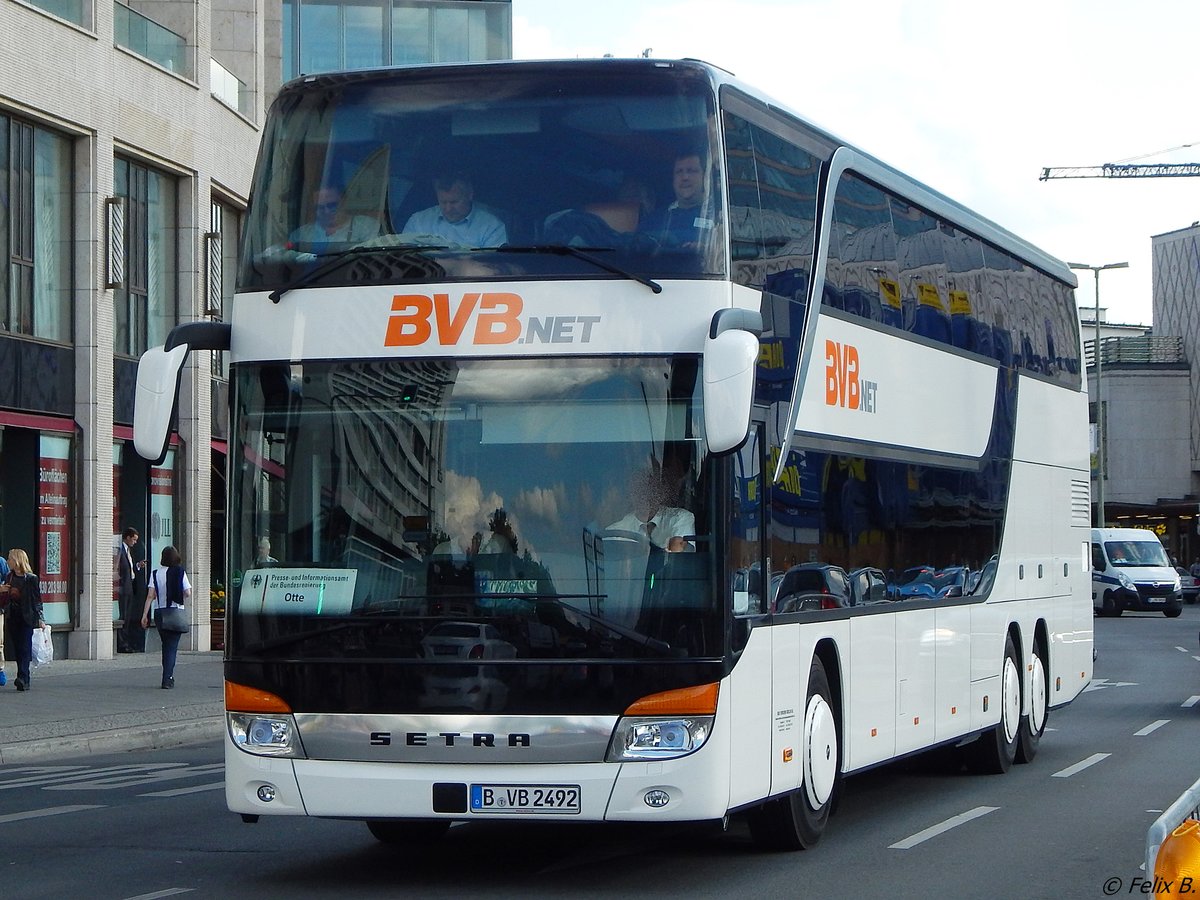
972	98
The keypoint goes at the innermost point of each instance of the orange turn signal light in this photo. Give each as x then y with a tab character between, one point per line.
690	701
239	698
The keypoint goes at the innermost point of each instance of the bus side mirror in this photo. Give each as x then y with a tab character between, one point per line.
158	374
730	361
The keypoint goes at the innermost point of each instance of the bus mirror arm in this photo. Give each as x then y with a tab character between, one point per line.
158	375
730	361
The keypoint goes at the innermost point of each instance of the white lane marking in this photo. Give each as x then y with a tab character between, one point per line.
42	813
933	831
1191	701
1153	726
1182	649
1081	765
1102	683
169	892
136	776
220	785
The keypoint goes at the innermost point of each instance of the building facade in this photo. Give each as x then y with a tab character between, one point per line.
128	132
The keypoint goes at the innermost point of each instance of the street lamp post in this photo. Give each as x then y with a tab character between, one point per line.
1100	460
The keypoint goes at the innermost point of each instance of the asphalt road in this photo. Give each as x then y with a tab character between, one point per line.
1072	824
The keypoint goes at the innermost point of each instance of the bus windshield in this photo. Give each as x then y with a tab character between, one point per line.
395	509
443	174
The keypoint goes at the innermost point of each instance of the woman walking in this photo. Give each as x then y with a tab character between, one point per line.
169	590
24	611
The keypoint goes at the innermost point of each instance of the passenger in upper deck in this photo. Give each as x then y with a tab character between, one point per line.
457	219
333	224
686	223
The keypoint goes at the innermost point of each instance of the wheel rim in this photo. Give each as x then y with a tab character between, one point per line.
820	751
1011	713
1037	696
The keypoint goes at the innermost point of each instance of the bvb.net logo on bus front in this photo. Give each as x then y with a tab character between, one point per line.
844	386
478	318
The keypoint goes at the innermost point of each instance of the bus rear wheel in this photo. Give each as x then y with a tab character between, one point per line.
993	753
797	821
400	832
1034	724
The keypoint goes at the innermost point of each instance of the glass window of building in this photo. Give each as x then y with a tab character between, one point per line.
77	11
146	299
333	35
35	226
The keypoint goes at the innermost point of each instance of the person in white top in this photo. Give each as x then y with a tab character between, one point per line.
158	598
664	526
333	225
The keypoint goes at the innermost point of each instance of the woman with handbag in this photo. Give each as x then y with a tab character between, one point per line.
168	593
23	611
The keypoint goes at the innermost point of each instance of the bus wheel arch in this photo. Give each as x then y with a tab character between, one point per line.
1033	724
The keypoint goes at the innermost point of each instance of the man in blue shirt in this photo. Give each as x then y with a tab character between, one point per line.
687	223
457	219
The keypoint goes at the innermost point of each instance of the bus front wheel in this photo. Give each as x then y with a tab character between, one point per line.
797	821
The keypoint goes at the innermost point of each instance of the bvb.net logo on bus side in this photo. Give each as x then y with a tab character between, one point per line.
480	318
843	385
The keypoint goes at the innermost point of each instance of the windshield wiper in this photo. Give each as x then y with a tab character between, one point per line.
584	253
337	260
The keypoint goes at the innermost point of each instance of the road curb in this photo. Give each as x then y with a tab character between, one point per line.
135	737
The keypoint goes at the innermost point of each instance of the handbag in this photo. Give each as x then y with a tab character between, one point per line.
172	618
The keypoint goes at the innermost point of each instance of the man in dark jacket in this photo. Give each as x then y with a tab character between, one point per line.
131	638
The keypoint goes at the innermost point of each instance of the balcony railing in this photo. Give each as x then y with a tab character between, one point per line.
230	89
1141	350
147	38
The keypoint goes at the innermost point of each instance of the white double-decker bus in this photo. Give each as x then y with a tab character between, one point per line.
629	450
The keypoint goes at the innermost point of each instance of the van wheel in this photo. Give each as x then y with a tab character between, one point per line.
1172	613
1110	607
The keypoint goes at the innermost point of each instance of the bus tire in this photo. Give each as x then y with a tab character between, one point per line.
993	753
1034	724
797	821
401	832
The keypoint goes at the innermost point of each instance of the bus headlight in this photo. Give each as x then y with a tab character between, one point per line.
265	735
658	738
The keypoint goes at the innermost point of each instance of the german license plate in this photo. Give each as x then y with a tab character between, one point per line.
526	799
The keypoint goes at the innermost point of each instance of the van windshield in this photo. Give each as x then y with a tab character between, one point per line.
1136	553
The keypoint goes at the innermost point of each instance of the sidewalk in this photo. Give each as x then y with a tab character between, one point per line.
76	707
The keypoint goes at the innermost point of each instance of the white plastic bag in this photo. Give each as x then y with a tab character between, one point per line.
43	647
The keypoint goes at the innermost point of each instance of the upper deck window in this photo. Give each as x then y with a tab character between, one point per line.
432	175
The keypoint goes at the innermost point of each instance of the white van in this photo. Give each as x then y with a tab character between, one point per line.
1131	570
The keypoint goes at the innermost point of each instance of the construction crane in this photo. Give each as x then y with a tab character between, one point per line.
1124	170
1129	168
